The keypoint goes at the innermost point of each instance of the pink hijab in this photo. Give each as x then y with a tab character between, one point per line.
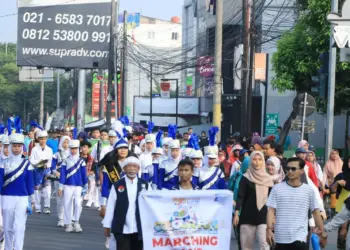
332	168
263	181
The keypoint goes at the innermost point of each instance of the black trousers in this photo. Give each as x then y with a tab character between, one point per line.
296	245
129	242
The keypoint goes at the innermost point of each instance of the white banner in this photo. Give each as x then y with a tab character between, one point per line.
183	220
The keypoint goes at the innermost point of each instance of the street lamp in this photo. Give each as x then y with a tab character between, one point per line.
177	95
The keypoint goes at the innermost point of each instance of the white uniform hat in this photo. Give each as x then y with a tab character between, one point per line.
237	147
187	152
128	128
17	139
1	138
74	144
212	156
157	151
166	140
42	133
5	140
174	144
150	138
131	160
211	150
112	133
196	154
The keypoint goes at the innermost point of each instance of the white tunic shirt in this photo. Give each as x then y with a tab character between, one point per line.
130	226
38	154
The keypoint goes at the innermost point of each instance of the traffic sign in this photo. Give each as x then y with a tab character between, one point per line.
99	77
272	121
155	95
309	128
298	104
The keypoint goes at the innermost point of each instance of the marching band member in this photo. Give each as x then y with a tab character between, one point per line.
186	153
211	176
16	187
41	158
112	135
197	159
146	158
4	154
122	219
73	181
165	146
185	170
112	170
168	177
57	160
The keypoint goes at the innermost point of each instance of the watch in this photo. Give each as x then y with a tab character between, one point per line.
324	235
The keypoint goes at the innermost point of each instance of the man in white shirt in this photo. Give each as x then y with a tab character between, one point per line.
41	158
289	204
122	218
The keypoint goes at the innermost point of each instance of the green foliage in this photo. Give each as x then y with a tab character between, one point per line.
298	54
21	98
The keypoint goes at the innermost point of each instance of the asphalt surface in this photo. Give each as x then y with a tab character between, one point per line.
42	233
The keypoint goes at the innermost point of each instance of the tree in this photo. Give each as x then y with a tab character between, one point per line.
298	55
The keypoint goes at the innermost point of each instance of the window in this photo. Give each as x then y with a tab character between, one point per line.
174	36
151	35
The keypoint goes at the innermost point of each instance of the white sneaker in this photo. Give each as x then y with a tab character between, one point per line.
77	228
88	204
96	205
38	211
60	223
69	228
47	210
107	242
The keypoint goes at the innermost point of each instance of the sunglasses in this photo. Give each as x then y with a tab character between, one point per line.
293	169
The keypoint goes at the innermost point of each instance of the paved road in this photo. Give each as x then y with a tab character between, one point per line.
42	233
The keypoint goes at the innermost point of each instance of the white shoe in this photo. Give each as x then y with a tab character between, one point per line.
88	204
38	211
107	242
96	205
69	228
77	228
47	210
60	223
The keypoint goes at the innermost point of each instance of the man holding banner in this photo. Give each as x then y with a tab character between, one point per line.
122	218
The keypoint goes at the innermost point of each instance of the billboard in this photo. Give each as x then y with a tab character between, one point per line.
63	34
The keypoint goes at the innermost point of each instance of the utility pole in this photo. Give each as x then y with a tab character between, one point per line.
102	94
80	118
110	65
331	85
125	88
115	62
251	78
42	89
218	65
151	93
58	89
245	65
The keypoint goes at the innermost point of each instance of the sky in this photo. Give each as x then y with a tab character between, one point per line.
162	9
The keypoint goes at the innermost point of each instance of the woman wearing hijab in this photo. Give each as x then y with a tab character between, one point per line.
273	167
251	210
341	186
303	144
5	153
332	168
311	158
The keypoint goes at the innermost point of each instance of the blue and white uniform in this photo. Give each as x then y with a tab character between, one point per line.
211	177
56	164
73	179
168	169
16	187
196	154
41	185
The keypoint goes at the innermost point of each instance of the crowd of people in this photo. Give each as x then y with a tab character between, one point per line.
278	202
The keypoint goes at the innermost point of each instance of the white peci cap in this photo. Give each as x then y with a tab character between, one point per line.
42	133
157	151
74	144
196	154
150	138
112	133
131	160
174	144
17	139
